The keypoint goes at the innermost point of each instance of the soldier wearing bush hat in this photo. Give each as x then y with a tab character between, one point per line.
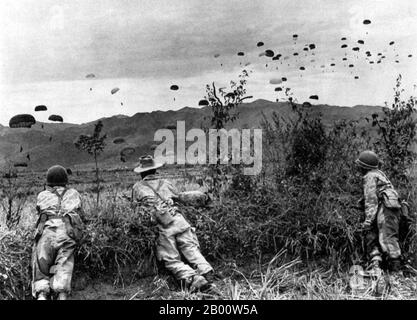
57	233
176	236
382	213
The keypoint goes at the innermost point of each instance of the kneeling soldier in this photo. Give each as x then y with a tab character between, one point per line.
382	213
57	231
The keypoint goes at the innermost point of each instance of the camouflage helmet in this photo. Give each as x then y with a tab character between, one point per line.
367	160
56	176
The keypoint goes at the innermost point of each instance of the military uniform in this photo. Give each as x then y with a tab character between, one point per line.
382	214
58	230
176	236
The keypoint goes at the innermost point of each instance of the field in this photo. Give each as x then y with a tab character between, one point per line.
136	275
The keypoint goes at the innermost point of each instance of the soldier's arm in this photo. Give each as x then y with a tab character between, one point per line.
371	199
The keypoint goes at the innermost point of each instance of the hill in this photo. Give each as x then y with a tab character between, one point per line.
49	144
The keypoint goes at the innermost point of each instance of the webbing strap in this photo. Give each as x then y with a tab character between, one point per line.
60	197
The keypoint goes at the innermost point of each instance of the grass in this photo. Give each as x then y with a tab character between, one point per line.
116	261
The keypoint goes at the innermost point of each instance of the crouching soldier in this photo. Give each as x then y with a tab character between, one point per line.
57	231
382	214
176	236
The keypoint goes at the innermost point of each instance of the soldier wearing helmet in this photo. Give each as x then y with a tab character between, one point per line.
382	213
57	232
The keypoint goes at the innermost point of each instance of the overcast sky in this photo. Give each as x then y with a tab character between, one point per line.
143	47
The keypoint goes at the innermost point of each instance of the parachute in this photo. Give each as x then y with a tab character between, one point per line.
174	87
203	103
314	97
344	59
278	89
114	90
302	68
356	77
361	42
332	64
351	66
391	43
119	140
22	121
260	44
269	53
295	54
90	76
20	164
410	55
41	108
295	36
275	81
312	46
305	49
127	151
355	49
284	79
344	46
240	53
56	118
343	39
366	21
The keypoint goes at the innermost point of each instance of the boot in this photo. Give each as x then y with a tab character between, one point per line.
211	276
42	296
376	270
62	296
395	265
199	283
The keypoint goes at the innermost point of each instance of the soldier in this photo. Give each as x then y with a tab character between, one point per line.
382	214
57	232
176	236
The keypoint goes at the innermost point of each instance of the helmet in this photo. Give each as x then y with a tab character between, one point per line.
368	160
56	176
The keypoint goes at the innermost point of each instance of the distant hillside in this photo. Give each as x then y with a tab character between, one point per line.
54	143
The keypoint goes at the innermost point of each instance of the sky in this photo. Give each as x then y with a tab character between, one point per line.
143	47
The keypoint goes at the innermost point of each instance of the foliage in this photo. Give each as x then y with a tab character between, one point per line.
397	134
13	197
94	145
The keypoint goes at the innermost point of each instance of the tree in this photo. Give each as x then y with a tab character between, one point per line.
223	104
94	145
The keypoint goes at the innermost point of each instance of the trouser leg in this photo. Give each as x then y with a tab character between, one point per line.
372	244
168	253
63	268
43	257
388	225
188	245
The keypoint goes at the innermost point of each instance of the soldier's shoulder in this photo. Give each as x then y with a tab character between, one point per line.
72	192
371	174
43	194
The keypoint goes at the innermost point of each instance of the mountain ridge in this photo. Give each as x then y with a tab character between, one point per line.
54	143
